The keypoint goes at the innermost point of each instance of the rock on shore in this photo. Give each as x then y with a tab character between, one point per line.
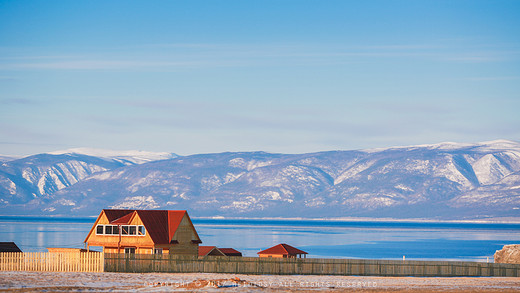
508	254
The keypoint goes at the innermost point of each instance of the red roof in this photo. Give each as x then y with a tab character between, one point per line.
282	249
124	220
230	252
205	250
208	250
113	215
161	225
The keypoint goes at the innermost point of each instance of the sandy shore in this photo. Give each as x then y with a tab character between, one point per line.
158	282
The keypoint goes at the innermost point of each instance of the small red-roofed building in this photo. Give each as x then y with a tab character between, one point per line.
215	251
282	251
210	250
230	252
144	232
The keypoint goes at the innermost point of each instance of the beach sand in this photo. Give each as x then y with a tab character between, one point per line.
165	282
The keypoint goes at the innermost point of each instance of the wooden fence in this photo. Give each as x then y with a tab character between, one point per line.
52	262
310	266
145	263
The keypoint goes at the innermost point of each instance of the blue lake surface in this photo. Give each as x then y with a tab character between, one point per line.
320	238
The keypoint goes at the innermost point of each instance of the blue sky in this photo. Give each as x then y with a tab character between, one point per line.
278	76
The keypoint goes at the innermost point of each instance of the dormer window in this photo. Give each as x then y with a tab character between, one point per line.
126	230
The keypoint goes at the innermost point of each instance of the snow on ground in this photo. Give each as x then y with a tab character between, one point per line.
165	282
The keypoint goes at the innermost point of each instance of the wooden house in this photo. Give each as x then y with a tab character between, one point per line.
144	232
282	251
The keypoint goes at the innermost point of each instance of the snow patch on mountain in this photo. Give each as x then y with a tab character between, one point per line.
66	202
457	170
247	203
12	187
248	164
354	171
403	187
137	202
126	157
489	169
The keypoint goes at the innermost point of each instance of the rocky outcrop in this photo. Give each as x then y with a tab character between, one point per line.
508	254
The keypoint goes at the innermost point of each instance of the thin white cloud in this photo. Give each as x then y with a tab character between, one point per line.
182	56
492	78
99	65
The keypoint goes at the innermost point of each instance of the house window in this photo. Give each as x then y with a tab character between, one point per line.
130	250
157	251
125	230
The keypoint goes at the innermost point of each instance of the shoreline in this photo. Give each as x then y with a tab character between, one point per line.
203	282
89	219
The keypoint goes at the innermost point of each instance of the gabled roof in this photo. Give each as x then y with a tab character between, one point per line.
210	250
230	252
113	215
123	220
161	225
282	249
9	247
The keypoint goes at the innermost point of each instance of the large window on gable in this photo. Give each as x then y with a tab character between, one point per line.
126	230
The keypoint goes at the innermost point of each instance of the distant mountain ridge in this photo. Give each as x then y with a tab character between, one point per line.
42	175
125	157
439	181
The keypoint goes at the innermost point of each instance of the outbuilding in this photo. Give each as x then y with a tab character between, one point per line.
210	250
282	251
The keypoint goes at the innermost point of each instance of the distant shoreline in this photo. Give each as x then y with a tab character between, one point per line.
89	219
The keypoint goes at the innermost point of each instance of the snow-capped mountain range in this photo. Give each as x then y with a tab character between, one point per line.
441	181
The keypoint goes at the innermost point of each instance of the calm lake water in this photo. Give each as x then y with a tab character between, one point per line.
324	239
